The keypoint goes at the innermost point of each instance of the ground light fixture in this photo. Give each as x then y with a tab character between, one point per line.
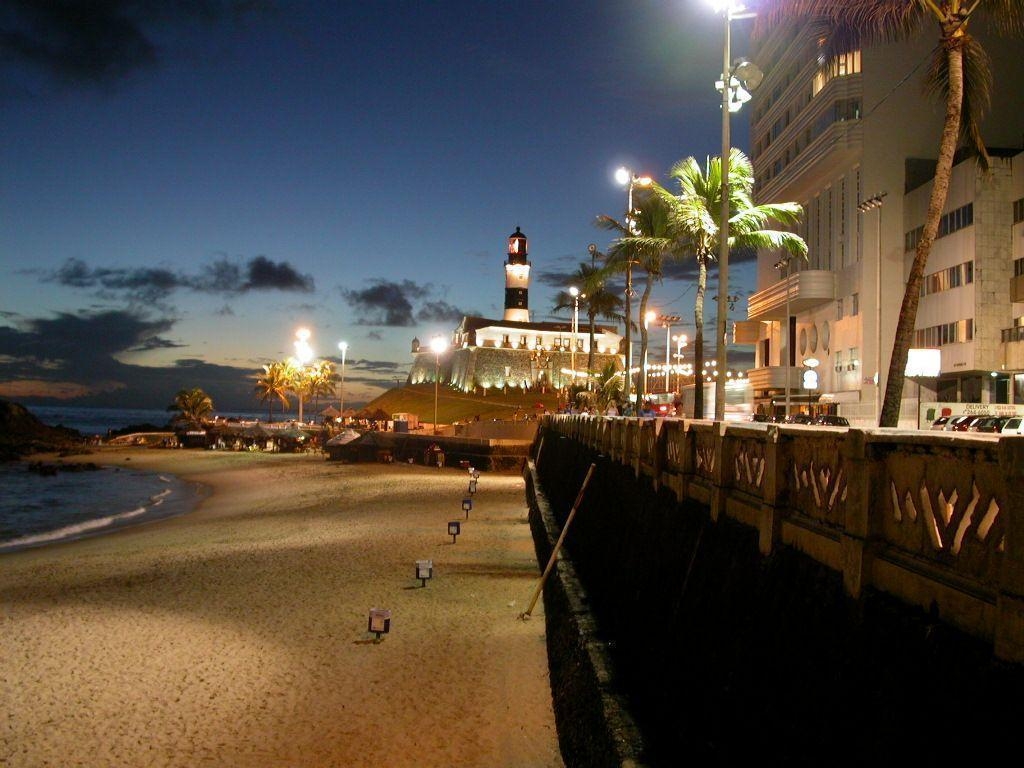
379	622
454	529
472	486
467	504
424	571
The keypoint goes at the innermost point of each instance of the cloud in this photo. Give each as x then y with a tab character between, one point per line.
440	311
98	41
386	302
149	285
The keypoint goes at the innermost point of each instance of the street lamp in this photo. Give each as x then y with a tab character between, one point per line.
873	203
666	323
781	264
680	339
438	344
737	81
343	346
303	354
629	179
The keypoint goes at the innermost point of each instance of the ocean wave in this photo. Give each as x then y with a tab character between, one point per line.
70	531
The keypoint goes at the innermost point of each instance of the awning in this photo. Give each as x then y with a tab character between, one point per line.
849	396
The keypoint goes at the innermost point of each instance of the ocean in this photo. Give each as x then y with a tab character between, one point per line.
36	510
96	421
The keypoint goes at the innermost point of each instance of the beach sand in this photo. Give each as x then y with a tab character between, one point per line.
236	635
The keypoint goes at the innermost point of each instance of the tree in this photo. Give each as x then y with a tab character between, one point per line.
694	220
274	384
959	72
192	405
645	247
320	378
595	300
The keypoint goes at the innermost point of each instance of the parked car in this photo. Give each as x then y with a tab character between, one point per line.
1013	426
799	418
940	422
967	422
829	420
954	421
988	424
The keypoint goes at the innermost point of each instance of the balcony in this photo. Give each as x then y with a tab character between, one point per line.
807	288
1013	348
774	377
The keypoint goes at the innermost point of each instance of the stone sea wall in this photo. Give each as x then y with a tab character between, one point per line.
792	596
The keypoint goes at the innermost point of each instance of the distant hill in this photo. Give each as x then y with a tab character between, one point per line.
22	433
455	406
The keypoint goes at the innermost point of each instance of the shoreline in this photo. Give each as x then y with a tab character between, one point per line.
237	633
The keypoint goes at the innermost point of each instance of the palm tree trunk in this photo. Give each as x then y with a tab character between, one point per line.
698	338
641	387
890	415
591	315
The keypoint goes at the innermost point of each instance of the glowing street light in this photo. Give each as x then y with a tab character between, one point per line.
681	340
438	344
303	354
576	295
627	178
343	346
666	323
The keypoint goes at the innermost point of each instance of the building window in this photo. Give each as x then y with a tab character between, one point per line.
854	359
855	305
1018	211
945	279
839	309
949	223
947	333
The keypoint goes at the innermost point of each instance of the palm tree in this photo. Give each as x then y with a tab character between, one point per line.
645	247
274	384
959	71
192	405
320	381
694	223
596	300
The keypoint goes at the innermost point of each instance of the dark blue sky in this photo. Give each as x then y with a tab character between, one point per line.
183	184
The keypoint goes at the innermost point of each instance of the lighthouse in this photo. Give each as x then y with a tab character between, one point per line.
517	279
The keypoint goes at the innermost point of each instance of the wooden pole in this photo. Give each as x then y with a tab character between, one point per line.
558	544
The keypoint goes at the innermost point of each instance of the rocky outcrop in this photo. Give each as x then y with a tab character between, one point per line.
21	434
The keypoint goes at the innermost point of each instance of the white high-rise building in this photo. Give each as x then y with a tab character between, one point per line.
854	141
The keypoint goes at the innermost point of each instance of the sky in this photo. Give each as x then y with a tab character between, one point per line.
185	183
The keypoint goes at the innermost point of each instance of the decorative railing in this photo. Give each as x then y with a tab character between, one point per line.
929	518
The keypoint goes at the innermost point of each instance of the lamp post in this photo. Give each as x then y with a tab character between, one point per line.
733	97
343	346
438	344
873	203
575	293
303	354
781	264
680	339
666	323
629	179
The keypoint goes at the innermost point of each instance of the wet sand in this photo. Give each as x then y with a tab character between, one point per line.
236	635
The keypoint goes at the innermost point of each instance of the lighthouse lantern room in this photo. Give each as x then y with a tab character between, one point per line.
517	279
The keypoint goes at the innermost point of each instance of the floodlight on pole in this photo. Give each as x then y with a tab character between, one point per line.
343	346
749	77
438	344
303	354
627	178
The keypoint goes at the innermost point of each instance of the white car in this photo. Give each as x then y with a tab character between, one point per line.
1013	426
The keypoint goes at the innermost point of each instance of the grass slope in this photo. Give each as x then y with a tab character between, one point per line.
455	406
